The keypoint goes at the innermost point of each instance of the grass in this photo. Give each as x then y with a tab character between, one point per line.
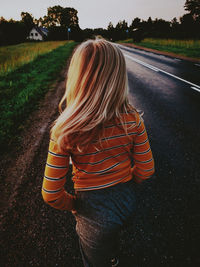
189	48
23	88
14	56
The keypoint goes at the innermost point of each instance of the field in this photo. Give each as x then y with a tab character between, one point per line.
14	56
189	48
26	76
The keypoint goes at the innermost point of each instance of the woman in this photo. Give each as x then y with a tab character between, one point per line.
108	144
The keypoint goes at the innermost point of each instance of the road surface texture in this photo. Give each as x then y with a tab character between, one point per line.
165	231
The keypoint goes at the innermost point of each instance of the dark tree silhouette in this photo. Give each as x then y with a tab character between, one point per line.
136	23
175	28
60	16
193	6
27	19
121	30
111	32
12	32
58	20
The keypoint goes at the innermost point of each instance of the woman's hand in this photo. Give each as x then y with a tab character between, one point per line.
74	212
71	202
137	180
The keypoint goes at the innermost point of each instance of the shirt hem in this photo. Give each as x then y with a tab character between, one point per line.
97	187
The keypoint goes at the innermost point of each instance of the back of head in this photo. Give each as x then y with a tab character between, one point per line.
96	92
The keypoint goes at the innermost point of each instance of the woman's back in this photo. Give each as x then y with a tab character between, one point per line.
109	161
107	141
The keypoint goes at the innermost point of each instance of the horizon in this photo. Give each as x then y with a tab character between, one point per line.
94	15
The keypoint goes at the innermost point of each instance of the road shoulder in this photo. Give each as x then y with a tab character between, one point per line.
17	162
169	54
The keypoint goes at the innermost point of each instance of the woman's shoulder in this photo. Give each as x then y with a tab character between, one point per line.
132	114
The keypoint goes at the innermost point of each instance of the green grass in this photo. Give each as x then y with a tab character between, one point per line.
14	56
23	88
189	48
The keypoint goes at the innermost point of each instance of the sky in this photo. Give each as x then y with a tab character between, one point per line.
97	14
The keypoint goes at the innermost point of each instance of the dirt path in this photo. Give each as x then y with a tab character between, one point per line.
34	234
17	163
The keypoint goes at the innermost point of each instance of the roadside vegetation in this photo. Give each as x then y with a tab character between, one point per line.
14	56
189	48
23	88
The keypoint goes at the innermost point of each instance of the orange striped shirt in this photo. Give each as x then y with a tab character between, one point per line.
104	164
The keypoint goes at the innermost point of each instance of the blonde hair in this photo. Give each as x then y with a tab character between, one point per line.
96	92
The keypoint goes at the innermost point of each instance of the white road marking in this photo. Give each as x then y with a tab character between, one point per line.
157	69
177	59
142	63
198	90
197	65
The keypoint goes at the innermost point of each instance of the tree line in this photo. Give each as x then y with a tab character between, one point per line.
59	19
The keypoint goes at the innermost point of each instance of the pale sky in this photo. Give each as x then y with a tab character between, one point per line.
98	14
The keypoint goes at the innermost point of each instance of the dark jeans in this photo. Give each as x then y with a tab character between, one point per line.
100	216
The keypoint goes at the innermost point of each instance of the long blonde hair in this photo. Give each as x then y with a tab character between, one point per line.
96	92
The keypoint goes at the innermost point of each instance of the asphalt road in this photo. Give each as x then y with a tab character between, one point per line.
167	90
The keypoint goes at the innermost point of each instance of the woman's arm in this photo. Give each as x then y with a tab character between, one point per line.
142	154
53	191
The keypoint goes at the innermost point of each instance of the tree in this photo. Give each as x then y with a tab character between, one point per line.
193	6
136	23
87	33
135	30
189	27
12	32
174	21
69	18
100	32
38	22
59	16
121	30
58	20
111	31
146	28
110	26
27	20
175	27
2	19
53	17
122	25
161	28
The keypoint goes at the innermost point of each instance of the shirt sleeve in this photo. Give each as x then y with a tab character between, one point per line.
56	168
142	155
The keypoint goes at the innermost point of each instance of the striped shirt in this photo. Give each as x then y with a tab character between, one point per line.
105	163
